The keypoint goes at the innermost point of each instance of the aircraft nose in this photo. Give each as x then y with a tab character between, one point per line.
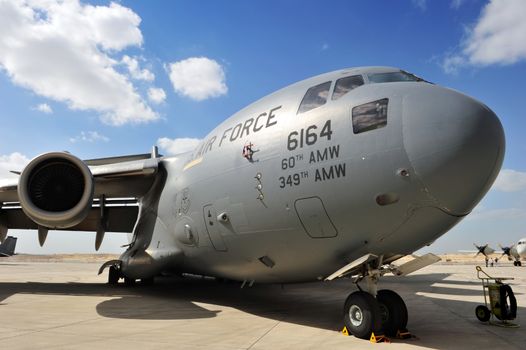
455	145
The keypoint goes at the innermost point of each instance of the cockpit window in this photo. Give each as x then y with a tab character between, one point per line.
344	85
392	77
369	116
316	96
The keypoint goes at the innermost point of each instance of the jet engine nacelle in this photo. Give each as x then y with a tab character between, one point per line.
56	190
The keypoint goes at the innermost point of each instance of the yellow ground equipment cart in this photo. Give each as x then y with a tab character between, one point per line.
499	300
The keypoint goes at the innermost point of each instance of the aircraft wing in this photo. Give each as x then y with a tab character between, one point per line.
117	183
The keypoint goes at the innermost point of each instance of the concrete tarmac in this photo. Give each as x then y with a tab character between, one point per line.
65	305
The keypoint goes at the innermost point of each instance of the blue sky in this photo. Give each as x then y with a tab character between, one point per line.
101	79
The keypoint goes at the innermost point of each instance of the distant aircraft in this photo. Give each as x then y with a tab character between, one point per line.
516	252
7	248
337	175
485	250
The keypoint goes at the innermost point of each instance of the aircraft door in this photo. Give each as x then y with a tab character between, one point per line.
212	226
314	218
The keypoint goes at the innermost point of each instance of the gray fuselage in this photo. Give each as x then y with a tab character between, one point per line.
313	194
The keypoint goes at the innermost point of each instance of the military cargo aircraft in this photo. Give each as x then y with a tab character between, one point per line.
337	175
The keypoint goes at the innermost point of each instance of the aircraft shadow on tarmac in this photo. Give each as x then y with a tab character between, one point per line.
437	306
316	305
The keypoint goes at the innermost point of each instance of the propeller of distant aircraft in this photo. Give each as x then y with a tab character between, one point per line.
484	250
510	251
506	251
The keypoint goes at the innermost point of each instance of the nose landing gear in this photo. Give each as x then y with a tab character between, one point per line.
364	314
377	311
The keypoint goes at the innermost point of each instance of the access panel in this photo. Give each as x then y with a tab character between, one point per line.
314	218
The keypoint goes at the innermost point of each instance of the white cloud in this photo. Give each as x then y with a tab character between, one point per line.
44	108
156	95
500	34
421	4
177	146
14	161
135	71
65	51
510	180
498	37
452	63
89	136
198	78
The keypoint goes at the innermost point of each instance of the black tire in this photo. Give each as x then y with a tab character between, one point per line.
482	313
113	276
515	263
393	312
361	315
519	263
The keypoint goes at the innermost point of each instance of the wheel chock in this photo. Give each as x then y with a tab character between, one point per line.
403	334
345	331
379	338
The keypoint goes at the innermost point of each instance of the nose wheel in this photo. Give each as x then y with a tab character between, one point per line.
382	312
364	314
393	312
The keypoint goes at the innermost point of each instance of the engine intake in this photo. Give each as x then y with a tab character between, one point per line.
56	190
